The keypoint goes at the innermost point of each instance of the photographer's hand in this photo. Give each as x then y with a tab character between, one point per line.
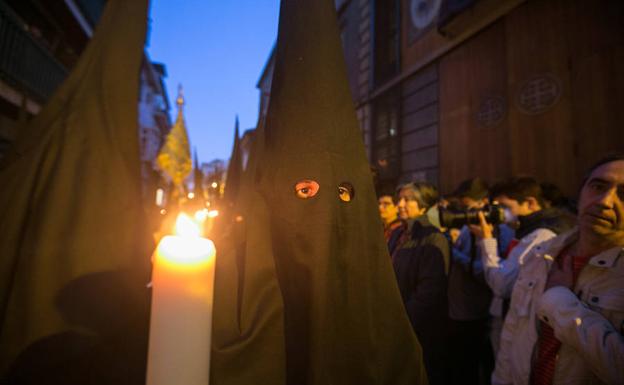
484	230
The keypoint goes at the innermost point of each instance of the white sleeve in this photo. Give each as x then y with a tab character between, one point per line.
587	331
501	274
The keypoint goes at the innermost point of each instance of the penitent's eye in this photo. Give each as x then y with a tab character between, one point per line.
346	191
306	189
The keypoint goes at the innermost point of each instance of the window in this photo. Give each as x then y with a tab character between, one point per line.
386	139
387	40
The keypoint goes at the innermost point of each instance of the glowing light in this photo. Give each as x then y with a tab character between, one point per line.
578	321
201	215
163	211
160	197
182	303
185	253
186	227
213	213
239	218
190	195
214	184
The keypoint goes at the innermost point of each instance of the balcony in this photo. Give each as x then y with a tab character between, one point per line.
24	63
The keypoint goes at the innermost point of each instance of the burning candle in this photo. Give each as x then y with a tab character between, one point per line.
181	317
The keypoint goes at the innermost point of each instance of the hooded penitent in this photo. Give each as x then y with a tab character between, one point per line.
234	172
75	258
248	335
344	320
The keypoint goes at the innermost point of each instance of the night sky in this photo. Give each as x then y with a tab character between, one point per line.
217	50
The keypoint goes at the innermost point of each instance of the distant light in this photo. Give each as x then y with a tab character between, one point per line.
163	211
213	213
201	215
578	321
160	196
207	204
239	218
191	195
214	184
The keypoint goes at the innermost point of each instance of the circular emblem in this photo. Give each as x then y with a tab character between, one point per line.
538	94
491	111
423	12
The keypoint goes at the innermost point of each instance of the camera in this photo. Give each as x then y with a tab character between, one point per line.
452	218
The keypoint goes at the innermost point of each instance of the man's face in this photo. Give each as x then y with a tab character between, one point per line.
601	204
516	208
408	206
387	209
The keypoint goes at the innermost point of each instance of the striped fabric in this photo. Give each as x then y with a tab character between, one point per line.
548	345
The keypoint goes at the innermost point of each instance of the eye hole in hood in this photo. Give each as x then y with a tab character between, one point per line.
346	192
306	188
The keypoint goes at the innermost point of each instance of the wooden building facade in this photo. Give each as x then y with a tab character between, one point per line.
450	89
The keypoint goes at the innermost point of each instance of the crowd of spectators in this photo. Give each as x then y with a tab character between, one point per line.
513	283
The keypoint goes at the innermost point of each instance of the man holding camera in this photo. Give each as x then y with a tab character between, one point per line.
469	295
521	198
566	319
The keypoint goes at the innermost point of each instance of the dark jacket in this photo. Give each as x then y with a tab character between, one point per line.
420	265
393	233
550	218
468	293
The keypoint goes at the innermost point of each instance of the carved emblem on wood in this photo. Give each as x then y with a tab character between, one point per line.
538	94
492	110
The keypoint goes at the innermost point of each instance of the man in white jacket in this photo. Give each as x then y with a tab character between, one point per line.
523	202
565	323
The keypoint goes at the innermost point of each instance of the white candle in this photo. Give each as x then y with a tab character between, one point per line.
181	317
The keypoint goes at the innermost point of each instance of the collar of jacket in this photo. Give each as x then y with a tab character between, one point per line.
549	218
395	224
552	248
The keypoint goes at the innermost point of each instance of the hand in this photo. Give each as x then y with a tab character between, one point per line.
561	273
454	234
483	230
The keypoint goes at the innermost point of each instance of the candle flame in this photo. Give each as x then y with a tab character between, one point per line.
186	227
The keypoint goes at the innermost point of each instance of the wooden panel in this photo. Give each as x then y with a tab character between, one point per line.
596	41
469	74
542	145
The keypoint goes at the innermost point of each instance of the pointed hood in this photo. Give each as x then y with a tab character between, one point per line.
344	319
234	171
248	310
198	178
75	256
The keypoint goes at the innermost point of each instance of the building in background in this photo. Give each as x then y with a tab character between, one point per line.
154	123
214	177
445	90
40	42
264	85
450	89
